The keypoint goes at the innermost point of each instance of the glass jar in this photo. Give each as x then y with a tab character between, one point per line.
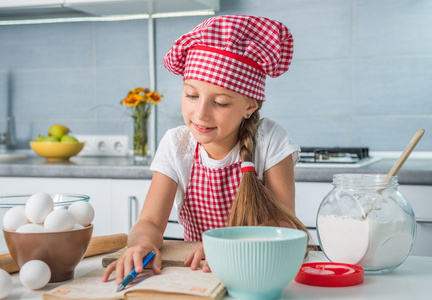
365	220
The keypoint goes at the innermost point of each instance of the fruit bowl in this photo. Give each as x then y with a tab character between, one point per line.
56	151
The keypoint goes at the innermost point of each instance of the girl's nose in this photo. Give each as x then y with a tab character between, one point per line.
203	110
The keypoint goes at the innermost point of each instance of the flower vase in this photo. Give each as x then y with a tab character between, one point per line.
140	139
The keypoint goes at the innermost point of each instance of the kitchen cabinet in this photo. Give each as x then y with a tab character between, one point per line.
25	9
30	3
128	199
118	7
308	199
420	198
310	194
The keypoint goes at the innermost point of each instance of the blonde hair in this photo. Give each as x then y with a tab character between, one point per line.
254	203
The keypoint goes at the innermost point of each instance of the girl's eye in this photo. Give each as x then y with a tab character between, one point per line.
191	96
221	105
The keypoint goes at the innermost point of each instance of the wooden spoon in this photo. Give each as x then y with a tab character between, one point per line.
398	165
404	156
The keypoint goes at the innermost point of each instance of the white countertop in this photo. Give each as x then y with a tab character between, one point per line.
412	280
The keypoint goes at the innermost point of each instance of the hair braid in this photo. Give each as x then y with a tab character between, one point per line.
247	133
254	203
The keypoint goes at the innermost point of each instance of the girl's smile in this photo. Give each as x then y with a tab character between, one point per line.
203	129
213	114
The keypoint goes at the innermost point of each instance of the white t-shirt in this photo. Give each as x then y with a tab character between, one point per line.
174	157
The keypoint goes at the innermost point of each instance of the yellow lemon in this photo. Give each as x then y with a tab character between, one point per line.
58	131
69	139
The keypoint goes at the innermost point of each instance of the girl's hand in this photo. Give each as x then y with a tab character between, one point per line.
132	258
194	258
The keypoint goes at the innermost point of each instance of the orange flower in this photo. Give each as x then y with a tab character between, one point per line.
132	100
155	97
141	90
140	100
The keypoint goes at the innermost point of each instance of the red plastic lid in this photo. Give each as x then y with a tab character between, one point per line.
330	274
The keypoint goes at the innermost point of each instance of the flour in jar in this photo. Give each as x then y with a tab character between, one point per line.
364	242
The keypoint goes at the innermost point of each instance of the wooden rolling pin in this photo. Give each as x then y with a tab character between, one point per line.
98	245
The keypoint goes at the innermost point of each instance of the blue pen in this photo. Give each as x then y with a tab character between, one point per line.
134	274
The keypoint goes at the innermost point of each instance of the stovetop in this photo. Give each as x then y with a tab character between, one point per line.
341	157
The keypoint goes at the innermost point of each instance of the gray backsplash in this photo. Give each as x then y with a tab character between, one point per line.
361	73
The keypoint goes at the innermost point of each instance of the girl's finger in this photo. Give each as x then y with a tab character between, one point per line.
111	267
129	264
188	259
190	256
206	268
157	263
119	271
199	255
138	257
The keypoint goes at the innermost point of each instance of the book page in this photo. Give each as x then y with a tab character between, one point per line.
178	280
89	286
173	279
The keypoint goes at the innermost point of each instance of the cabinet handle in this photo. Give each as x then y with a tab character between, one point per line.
426	221
133	213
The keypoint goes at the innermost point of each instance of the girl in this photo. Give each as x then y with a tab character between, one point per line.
226	167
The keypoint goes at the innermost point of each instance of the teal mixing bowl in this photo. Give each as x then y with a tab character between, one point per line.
255	262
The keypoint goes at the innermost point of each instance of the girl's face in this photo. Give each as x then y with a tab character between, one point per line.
213	114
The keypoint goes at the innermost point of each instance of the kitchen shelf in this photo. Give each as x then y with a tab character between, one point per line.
43	9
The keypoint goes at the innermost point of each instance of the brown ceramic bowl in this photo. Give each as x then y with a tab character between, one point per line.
62	251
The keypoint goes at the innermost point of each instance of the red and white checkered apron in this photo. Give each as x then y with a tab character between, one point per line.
208	198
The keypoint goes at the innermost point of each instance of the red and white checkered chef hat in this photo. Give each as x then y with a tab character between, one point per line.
234	52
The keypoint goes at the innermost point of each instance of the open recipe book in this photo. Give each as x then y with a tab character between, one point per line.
173	283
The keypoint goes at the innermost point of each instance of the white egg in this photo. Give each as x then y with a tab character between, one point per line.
30	228
38	206
5	283
83	212
35	274
78	226
59	220
14	218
